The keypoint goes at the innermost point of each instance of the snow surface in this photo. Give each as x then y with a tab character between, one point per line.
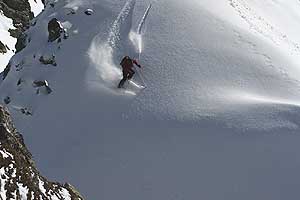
5	154
36	6
3	180
62	194
219	118
65	194
23	190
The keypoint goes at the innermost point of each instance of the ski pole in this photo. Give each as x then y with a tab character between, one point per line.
141	77
140	74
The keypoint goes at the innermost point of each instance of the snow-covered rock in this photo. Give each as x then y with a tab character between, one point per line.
54	29
15	16
8	41
89	11
19	178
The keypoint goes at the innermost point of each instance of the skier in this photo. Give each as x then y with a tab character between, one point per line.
127	65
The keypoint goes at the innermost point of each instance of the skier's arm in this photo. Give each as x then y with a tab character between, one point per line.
137	64
121	63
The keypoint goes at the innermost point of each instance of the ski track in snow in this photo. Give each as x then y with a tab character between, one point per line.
104	55
143	20
136	37
265	28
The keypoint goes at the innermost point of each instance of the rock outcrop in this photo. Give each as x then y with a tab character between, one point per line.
20	12
43	86
88	11
5	72
19	178
48	60
3	48
54	29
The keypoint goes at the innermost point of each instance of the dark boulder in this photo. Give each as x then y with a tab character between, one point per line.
7	100
54	29
40	83
20	81
21	42
25	111
48	61
43	87
88	11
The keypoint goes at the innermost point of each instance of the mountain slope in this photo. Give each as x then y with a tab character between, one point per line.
215	87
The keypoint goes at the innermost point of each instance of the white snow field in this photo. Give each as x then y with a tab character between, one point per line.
36	6
219	118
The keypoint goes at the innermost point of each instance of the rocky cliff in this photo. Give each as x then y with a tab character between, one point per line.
19	178
20	13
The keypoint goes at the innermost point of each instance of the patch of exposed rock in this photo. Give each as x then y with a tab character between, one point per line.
20	12
3	48
19	178
54	29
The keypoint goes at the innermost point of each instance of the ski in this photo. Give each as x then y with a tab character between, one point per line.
136	85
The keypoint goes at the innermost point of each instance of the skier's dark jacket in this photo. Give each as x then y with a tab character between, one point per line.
127	64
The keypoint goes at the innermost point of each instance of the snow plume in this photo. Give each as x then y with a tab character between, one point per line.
101	57
136	37
106	55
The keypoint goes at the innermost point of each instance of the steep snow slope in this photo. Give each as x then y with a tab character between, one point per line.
210	77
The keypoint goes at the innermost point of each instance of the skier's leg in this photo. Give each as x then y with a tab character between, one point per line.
121	83
131	73
125	74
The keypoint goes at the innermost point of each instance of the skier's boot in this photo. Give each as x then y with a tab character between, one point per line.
121	84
